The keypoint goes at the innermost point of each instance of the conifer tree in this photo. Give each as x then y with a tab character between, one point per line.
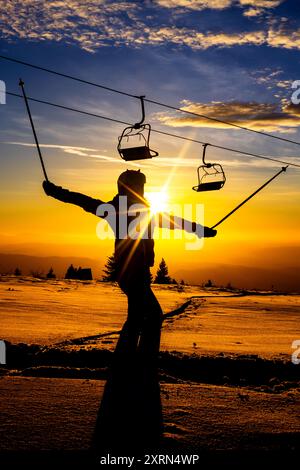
162	274
71	272
51	274
110	270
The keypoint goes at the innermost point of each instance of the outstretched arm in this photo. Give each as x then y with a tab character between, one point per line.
173	222
87	203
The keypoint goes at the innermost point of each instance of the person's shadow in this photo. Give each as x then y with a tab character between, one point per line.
129	420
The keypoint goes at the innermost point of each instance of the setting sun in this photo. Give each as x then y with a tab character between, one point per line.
158	201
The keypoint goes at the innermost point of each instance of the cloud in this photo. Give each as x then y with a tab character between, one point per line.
269	78
284	37
78	151
217	4
74	151
94	24
258	7
256	116
169	162
292	109
89	24
284	84
195	4
261	3
64	148
253	12
266	75
196	40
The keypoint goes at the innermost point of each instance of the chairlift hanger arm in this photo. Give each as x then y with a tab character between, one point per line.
283	169
203	155
139	124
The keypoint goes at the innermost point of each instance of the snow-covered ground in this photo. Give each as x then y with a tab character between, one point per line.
48	312
246	404
43	414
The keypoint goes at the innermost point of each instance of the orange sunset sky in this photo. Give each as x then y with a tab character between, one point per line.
246	81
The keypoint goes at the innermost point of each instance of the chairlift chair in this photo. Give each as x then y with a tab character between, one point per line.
211	176
140	152
139	134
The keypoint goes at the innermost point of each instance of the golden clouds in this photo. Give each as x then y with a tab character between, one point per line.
257	116
217	4
195	4
93	24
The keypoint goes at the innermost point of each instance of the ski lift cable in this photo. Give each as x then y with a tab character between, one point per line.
158	103
169	134
68	108
217	169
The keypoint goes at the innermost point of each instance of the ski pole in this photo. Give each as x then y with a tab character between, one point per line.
21	83
249	197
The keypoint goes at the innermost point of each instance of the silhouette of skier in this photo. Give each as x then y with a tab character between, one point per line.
132	391
133	261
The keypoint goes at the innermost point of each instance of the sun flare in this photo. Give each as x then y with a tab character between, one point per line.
158	201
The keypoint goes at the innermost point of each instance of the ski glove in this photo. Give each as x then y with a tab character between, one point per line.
209	232
50	188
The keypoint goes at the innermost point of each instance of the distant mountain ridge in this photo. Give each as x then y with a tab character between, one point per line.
27	263
249	277
241	276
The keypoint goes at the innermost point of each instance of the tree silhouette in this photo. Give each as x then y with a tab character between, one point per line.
71	273
162	274
37	274
229	286
110	270
84	274
50	274
18	272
